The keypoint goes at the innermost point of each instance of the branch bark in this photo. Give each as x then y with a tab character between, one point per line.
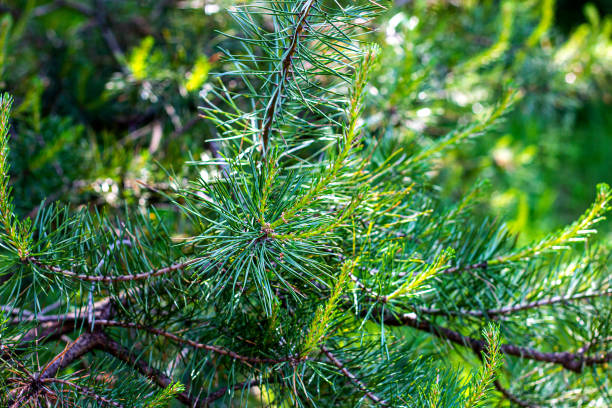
571	361
358	383
194	344
520	307
119	278
513	398
85	391
82	345
160	379
277	95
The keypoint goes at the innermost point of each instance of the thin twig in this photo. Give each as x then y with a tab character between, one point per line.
277	95
120	278
160	379
513	398
83	344
571	361
15	311
375	398
214	349
85	391
516	308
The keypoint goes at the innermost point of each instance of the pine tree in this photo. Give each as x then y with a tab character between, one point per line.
322	268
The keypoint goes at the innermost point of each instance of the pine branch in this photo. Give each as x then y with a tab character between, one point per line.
352	378
571	361
73	351
119	278
455	137
82	345
520	307
492	360
67	322
194	344
284	74
350	135
513	398
273	233
160	379
85	391
576	232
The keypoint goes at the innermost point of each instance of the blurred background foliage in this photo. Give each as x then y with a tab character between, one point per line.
107	93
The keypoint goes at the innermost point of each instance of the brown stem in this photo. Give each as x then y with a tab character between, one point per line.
358	383
120	278
85	391
83	344
276	97
214	349
513	398
516	308
160	379
570	361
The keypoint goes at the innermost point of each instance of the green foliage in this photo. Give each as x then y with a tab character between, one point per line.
163	398
483	381
317	250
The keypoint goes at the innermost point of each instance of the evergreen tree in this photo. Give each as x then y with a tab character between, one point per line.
321	266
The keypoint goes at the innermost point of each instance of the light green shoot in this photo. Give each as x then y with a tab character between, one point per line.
492	360
16	234
165	396
325	313
454	138
576	232
350	135
416	281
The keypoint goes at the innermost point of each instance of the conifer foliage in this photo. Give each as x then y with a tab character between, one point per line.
321	269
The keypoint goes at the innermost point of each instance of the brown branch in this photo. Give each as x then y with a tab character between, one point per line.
163	381
275	99
571	361
594	342
85	391
513	398
120	278
214	349
358	383
365	288
516	308
83	344
15	311
160	379
47	331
